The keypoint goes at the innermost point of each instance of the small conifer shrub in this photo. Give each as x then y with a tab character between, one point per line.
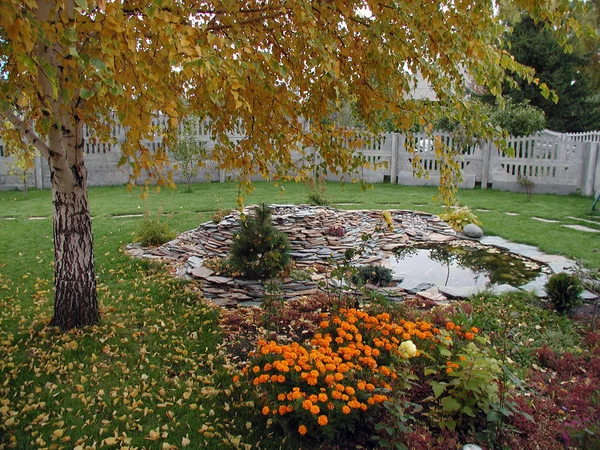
259	250
564	292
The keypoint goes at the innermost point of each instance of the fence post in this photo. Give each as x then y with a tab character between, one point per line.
596	169
589	160
485	166
39	180
394	162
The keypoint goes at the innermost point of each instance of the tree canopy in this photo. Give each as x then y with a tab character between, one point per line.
578	106
256	64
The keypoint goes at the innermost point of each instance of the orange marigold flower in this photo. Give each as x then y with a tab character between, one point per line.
307	404
370	387
449	370
329	379
475	330
469	336
322	420
236	378
350	390
346	409
302	430
338	376
361	385
265	410
281	397
282	410
322	397
296	395
314	409
324	324
267	367
375	352
280	378
256	369
450	326
336	395
339	387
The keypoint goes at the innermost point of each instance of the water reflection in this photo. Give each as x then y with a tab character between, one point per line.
462	266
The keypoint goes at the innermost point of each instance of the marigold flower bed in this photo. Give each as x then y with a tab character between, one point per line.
342	374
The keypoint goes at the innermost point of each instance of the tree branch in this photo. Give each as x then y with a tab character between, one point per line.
217	27
29	134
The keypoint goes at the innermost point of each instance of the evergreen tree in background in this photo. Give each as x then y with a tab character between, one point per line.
578	107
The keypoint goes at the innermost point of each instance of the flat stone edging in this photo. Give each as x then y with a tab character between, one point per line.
306	227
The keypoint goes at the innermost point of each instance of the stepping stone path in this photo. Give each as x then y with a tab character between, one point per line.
314	251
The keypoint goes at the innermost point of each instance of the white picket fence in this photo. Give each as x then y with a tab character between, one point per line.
555	162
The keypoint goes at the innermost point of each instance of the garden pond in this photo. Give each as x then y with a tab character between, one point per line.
463	265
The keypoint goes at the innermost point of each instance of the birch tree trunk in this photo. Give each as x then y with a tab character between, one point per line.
75	303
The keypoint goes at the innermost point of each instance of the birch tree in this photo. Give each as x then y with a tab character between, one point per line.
260	64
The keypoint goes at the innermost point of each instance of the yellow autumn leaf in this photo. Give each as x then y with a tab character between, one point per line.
58	433
110	441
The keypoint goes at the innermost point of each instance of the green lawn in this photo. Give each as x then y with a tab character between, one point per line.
151	374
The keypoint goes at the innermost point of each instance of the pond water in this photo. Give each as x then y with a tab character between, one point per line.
463	266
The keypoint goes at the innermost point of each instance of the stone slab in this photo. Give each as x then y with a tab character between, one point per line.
539	219
458	293
582	228
503	289
201	272
595	222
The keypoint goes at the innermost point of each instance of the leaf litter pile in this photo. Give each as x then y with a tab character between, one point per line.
152	374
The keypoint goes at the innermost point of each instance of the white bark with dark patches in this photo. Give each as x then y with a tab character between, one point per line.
75	303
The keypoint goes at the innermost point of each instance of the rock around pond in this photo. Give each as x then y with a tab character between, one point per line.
315	252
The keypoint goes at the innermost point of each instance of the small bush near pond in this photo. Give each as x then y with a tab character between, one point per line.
153	231
377	275
564	292
460	217
259	250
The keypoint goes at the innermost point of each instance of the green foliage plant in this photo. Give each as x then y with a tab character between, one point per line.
526	184
590	280
469	391
373	274
398	419
459	217
564	292
317	191
259	250
153	231
188	153
518	119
